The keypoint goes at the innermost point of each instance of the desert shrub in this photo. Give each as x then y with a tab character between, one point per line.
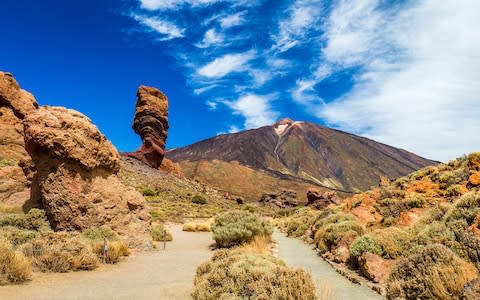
100	233
35	219
364	244
59	252
238	226
157	232
415	202
466	208
333	233
148	192
249	208
7	162
467	246
435	232
16	236
453	190
434	214
116	250
234	274
14	266
198	226
298	221
356	203
435	272
197	199
393	241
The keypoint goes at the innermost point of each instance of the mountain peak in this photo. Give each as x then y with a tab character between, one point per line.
284	121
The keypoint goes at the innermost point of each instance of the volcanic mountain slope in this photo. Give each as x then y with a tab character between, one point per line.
294	153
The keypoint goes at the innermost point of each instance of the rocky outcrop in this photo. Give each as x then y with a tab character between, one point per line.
283	199
375	267
151	123
75	177
15	103
319	199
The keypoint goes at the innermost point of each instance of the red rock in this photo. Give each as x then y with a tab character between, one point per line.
319	199
76	179
151	123
374	267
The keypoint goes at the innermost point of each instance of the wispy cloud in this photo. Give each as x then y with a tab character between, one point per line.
256	109
227	64
211	37
166	29
232	20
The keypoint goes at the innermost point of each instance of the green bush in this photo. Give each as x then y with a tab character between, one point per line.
394	241
17	236
158	230
415	202
435	272
454	190
197	199
100	233
7	162
364	244
35	219
237	227
233	274
148	192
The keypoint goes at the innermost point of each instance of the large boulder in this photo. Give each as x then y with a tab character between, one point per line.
151	123
76	179
375	267
15	103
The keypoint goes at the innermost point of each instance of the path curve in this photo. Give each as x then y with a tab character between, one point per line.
152	275
300	255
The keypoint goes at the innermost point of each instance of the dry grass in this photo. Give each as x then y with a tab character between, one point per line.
159	231
116	250
205	226
59	252
259	244
14	266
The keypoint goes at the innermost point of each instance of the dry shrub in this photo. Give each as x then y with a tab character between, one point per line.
259	244
59	252
237	227
100	233
237	274
16	236
14	266
158	231
393	241
116	250
435	272
198	226
35	219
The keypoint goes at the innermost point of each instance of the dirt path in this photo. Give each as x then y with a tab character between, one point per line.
297	254
155	275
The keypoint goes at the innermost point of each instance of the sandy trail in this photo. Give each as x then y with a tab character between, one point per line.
154	275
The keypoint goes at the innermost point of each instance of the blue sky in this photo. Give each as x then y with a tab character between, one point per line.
406	73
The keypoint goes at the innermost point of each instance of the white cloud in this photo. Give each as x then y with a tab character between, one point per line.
256	110
173	4
166	29
421	85
226	64
302	17
211	37
232	20
204	89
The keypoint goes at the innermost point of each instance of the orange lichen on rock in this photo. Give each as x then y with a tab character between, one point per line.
474	179
424	186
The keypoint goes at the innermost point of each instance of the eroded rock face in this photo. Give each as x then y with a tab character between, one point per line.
76	177
15	103
471	290
283	199
319	199
151	123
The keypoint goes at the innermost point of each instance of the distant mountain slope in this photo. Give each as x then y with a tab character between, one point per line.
301	152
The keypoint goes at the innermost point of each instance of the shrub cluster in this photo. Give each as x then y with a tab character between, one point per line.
198	226
100	233
236	274
238	226
364	244
35	219
435	272
14	266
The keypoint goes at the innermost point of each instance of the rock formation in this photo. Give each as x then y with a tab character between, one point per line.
283	199
151	123
76	179
374	267
15	103
319	199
